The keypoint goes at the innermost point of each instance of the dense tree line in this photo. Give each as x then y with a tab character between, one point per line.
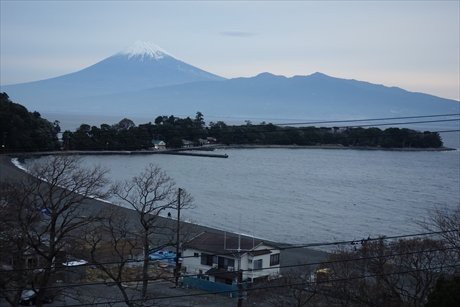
268	134
126	135
173	130
21	130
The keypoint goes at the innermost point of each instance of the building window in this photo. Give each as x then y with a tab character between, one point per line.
257	264
224	263
206	259
274	259
196	255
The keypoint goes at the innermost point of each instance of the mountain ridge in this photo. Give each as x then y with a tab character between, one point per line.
138	67
146	79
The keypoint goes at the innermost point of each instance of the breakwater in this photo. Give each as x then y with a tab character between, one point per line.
178	152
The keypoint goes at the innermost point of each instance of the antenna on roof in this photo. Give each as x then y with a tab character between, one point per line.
239	251
239	233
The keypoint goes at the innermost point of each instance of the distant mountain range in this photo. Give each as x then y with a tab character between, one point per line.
144	80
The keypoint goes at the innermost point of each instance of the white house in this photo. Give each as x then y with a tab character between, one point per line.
158	144
214	257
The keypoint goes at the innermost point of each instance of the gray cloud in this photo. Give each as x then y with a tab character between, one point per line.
237	33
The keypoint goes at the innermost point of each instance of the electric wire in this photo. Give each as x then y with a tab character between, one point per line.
304	284
350	241
293	246
280	125
404	123
364	120
114	282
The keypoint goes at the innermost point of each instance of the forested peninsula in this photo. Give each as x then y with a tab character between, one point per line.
25	131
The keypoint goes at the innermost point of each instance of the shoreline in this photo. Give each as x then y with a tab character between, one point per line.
333	146
181	152
192	151
96	207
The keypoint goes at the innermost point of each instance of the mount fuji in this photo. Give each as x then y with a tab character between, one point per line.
146	81
141	66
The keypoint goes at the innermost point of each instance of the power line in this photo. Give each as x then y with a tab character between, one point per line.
246	270
268	120
347	242
274	286
340	261
405	123
296	246
319	122
376	239
265	127
365	120
348	121
445	131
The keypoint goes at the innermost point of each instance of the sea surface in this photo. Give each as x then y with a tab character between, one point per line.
307	195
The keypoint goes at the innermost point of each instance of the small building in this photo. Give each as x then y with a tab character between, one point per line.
203	142
187	144
214	257
158	144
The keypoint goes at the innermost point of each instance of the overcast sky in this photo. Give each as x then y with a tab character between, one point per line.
413	45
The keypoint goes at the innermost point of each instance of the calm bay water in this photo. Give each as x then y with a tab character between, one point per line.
307	195
298	195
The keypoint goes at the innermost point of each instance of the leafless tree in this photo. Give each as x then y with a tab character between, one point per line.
16	220
52	211
112	246
150	194
448	223
387	273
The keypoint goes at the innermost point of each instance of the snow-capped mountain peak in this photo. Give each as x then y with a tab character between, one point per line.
145	50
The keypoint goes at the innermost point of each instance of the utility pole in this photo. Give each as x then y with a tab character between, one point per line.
177	268
239	278
240	282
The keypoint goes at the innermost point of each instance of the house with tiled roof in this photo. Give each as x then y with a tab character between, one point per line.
216	257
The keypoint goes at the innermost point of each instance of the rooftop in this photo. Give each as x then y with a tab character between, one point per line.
224	243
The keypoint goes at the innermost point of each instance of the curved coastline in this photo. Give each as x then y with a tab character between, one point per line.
193	151
96	207
331	146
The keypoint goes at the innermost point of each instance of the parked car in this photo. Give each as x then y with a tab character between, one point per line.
163	255
29	297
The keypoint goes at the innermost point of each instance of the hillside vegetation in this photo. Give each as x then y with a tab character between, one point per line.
21	130
174	131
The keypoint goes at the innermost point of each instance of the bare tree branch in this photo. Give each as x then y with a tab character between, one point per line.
51	215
